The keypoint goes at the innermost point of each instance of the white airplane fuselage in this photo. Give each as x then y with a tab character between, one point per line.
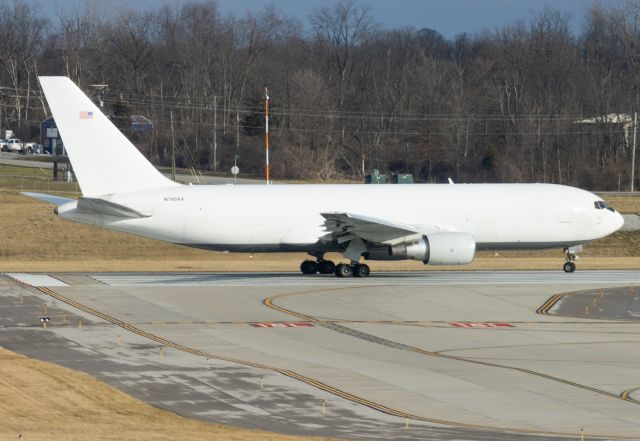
436	224
273	218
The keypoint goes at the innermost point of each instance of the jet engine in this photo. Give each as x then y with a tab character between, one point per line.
437	249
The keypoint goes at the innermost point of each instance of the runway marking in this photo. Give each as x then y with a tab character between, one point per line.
302	378
282	325
36	279
546	306
269	302
481	325
586	343
626	394
593	294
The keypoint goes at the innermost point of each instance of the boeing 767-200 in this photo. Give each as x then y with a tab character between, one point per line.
438	224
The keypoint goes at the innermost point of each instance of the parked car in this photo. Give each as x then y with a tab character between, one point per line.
31	148
11	145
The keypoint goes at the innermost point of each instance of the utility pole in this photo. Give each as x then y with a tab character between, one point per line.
215	133
633	152
1	107
266	131
173	150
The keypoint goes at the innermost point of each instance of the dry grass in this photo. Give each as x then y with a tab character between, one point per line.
32	238
47	402
624	203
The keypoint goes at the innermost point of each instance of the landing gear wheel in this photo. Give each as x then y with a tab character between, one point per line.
309	267
361	270
570	255
343	270
326	267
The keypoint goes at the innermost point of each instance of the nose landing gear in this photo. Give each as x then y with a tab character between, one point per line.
570	257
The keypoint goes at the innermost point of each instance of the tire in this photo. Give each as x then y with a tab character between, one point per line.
569	267
326	267
361	270
343	270
309	267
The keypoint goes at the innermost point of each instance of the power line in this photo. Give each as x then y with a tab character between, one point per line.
331	113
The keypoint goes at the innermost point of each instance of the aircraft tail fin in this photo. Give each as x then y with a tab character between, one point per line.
103	159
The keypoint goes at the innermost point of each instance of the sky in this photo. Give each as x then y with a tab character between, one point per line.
449	17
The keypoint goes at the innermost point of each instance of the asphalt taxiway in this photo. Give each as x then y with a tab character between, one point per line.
433	355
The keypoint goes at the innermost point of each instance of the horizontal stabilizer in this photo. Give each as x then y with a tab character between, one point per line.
49	198
107	208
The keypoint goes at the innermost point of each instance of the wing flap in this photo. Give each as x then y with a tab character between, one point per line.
344	227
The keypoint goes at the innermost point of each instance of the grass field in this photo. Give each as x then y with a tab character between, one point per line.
624	203
33	179
47	402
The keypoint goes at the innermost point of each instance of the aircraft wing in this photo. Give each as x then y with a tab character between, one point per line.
345	227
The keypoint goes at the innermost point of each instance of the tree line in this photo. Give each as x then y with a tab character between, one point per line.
529	102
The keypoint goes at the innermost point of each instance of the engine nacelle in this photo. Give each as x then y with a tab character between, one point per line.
438	249
382	252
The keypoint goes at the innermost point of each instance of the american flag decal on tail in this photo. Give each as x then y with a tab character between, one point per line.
86	115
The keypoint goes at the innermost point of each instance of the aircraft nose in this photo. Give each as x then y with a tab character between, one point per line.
618	221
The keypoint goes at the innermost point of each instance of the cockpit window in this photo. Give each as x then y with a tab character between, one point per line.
602	205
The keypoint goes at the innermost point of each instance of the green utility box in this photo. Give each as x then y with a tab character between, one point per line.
402	179
375	179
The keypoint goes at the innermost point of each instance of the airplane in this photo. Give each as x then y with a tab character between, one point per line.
438	224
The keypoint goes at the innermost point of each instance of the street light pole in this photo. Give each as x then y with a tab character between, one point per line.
173	149
633	152
215	133
266	131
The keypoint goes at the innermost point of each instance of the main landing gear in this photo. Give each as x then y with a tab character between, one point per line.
570	257
320	266
328	267
354	269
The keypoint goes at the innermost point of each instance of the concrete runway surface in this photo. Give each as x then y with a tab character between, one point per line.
432	355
